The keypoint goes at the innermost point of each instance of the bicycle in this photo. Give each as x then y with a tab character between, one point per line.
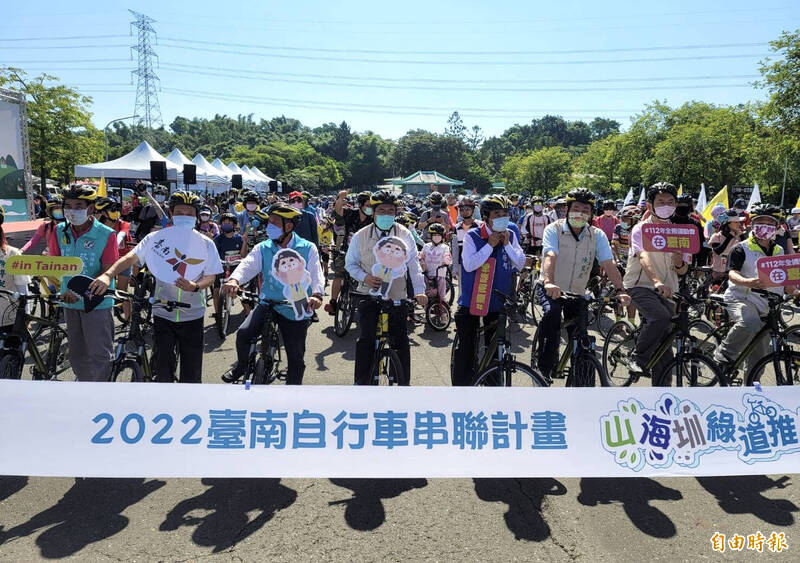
131	362
386	368
15	344
345	306
265	356
783	359
437	311
226	301
580	347
497	366
689	363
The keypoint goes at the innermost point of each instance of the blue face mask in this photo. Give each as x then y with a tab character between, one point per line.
384	222
499	224
367	211
184	221
255	223
226	228
274	232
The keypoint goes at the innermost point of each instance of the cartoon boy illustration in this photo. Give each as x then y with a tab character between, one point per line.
390	255
290	270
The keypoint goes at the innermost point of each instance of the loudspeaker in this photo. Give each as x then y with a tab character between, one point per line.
273	186
189	174
158	171
236	181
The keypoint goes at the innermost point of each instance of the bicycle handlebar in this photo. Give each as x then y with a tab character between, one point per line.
118	295
255	297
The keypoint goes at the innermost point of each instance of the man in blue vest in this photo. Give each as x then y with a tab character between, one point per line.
307	226
493	242
281	222
90	335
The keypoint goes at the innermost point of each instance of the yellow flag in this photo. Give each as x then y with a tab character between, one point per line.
101	189
721	197
680	190
798	202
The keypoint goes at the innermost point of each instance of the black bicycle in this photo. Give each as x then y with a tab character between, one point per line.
345	306
265	357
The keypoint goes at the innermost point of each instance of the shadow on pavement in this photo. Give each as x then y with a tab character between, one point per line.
524	498
344	346
435	338
91	511
635	494
11	485
365	511
220	515
742	495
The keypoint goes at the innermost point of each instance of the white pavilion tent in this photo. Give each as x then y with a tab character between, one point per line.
250	175
211	177
134	165
221	169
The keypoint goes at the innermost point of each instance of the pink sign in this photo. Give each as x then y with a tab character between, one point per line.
668	237
776	271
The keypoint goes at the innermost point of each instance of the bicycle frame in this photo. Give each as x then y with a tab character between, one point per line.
134	334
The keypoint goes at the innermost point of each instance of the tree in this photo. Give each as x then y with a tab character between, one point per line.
782	79
422	150
59	124
455	127
601	128
474	138
540	171
369	160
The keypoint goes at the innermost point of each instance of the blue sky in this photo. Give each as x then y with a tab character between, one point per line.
391	67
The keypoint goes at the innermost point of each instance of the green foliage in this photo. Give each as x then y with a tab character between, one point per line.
538	171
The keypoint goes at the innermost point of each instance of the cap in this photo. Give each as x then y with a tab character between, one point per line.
294	195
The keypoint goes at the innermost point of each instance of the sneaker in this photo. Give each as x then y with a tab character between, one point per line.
724	363
315	317
232	375
635	369
330	307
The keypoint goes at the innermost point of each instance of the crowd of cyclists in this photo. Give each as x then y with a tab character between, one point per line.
379	256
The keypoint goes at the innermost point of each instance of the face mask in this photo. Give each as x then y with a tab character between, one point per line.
664	211
205	217
766	232
436	239
297	205
368	211
537	208
384	222
58	215
608	212
76	216
577	219
274	232
226	228
160	198
114	215
436	207
184	221
255	223
251	206
624	226
499	224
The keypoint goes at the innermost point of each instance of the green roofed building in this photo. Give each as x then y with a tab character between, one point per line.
424	182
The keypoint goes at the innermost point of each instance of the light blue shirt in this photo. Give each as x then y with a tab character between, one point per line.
602	249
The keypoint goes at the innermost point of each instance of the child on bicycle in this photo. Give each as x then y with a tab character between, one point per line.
435	254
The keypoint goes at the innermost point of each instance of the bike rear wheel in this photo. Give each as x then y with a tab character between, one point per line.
344	312
781	368
514	373
587	371
386	368
224	315
11	366
690	369
437	315
617	349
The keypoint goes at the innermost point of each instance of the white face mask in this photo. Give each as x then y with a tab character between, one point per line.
577	219
298	205
76	216
251	206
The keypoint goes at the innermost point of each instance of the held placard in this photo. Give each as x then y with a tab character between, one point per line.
50	266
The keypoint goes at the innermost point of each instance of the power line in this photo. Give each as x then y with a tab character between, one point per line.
406	52
455	62
69	38
57	47
466	88
61	61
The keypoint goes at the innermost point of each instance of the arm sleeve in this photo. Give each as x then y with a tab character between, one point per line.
472	259
736	258
514	252
414	270
37	236
550	239
111	251
315	271
314	230
352	260
719	247
249	267
602	249
213	265
636	240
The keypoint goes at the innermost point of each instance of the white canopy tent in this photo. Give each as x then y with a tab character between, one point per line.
246	180
212	179
260	174
221	169
250	175
178	158
134	165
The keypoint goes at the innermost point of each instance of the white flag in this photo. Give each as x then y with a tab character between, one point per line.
702	200
628	198
642	198
755	198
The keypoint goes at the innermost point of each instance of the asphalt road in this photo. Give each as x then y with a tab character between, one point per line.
390	520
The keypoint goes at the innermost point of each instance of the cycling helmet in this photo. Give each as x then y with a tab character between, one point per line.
560	201
283	211
249	197
740	203
160	190
205	209
581	195
631	211
306	196
436	229
228	217
609	204
435	198
661	188
81	191
466	201
766	210
685	199
536	199
108	204
184	198
795	210
405	219
383	197
728	216
57	201
363	198
493	202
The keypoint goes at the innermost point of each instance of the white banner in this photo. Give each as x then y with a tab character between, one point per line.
160	430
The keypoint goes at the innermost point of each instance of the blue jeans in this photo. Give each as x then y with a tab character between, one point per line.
550	327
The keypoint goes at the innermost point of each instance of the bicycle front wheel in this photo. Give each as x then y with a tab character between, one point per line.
617	350
127	371
690	371
782	368
586	371
514	373
386	368
344	313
